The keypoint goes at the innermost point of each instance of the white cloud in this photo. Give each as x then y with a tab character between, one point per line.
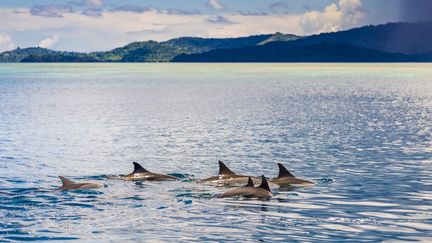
350	5
215	4
353	12
50	11
219	20
6	43
49	42
345	14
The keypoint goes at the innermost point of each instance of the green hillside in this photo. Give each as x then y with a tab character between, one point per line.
145	51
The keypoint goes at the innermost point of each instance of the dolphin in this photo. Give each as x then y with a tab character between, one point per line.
286	178
228	178
71	185
249	191
141	174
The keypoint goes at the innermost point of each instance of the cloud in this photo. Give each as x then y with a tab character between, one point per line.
92	12
215	4
219	20
51	11
345	14
49	42
279	5
146	32
58	10
174	11
350	6
353	12
6	43
249	13
132	8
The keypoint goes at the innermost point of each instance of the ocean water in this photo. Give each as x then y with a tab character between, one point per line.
362	132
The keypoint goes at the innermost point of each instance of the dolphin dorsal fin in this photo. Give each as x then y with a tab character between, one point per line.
223	169
250	183
283	172
66	181
264	185
138	168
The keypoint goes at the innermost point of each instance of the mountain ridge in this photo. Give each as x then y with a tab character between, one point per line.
323	52
140	51
392	42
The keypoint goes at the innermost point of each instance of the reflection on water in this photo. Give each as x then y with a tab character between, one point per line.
362	132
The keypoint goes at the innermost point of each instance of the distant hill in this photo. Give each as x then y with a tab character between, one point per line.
60	57
37	54
146	51
19	54
197	45
407	38
397	42
279	37
152	51
394	42
281	52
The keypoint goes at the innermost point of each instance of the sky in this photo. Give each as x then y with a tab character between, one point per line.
96	25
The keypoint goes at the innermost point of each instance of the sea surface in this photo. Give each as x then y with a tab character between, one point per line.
362	132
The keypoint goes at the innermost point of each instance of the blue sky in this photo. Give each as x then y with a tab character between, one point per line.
89	25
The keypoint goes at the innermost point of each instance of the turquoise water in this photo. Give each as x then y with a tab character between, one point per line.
362	132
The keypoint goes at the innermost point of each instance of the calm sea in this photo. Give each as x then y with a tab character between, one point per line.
362	132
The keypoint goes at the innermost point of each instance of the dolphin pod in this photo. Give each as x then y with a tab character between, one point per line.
225	177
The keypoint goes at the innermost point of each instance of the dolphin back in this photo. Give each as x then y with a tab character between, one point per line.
71	185
264	185
139	169
250	183
224	170
65	181
283	172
